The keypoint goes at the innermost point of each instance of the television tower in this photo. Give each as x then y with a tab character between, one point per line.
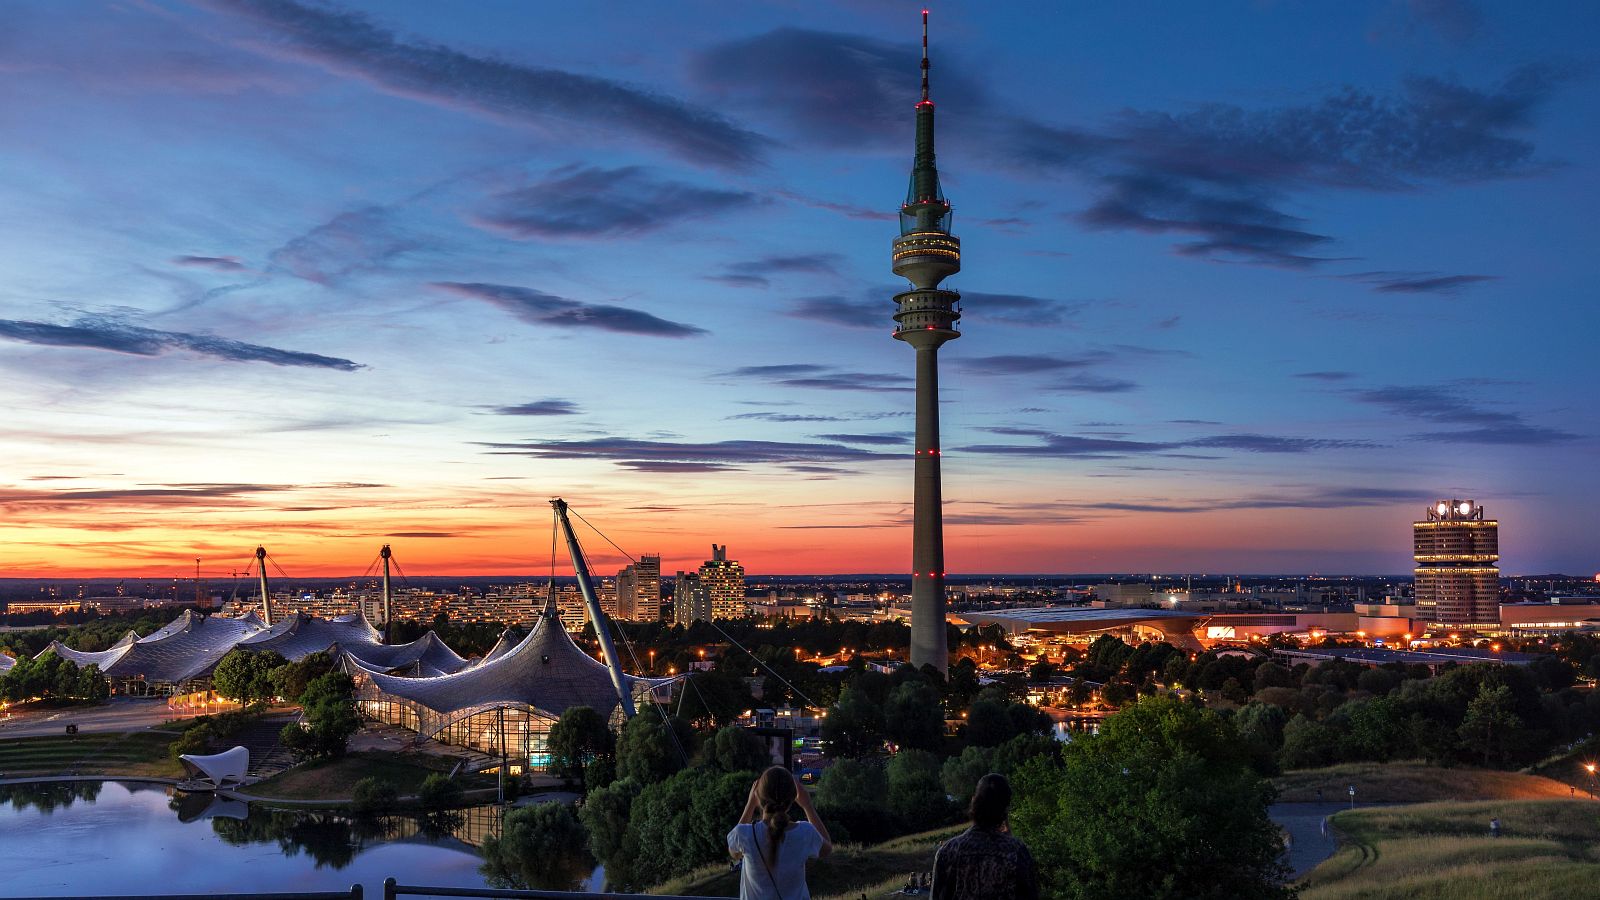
925	317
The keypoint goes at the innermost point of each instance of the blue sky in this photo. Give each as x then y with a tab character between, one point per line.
1246	285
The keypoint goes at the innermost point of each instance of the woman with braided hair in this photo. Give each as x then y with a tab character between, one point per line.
772	848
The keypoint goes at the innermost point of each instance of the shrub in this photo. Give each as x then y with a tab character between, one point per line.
438	791
373	795
193	740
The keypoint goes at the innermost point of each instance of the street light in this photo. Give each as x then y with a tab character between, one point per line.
1590	767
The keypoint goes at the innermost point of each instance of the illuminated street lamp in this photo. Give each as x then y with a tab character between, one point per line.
1590	767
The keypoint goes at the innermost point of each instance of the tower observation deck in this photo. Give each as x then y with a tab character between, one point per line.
925	317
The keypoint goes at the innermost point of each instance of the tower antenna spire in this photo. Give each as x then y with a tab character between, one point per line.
924	56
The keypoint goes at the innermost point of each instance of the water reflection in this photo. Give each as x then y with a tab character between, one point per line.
1065	728
47	797
331	840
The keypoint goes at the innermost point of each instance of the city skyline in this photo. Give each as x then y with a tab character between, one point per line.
1251	287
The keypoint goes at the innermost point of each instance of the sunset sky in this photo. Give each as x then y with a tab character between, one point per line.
1246	284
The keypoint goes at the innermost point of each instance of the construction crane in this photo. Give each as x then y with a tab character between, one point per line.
602	625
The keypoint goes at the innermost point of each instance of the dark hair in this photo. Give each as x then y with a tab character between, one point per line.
775	793
990	801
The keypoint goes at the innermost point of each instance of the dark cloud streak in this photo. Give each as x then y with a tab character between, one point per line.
566	104
539	308
94	333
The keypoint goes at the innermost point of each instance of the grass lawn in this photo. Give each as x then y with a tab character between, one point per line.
1435	851
134	753
334	779
1414	782
850	871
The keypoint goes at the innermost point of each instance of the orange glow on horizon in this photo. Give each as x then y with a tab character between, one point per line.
773	527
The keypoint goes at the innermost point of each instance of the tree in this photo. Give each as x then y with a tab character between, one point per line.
1110	652
679	824
854	792
578	737
916	790
1115	693
1150	659
914	716
1260	726
541	847
963	684
854	726
329	718
52	677
1491	725
289	681
1307	744
1161	804
988	723
648	752
605	814
960	774
1270	675
1015	753
246	676
734	749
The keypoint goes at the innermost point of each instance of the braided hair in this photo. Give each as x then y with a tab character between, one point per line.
775	794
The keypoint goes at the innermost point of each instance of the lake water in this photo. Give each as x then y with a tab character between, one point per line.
108	838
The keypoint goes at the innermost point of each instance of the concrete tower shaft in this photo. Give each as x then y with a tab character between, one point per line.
925	317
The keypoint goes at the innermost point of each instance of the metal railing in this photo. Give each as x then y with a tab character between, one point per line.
391	891
352	894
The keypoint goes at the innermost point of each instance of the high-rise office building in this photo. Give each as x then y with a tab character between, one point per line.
925	317
639	590
690	601
1457	549
723	580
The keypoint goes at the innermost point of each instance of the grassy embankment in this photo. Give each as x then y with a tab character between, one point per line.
881	869
1414	782
849	872
1443	851
332	780
131	754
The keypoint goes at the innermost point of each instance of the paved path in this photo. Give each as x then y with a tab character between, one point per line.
120	714
1310	839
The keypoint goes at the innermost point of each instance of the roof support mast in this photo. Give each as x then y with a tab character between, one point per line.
266	598
388	629
602	626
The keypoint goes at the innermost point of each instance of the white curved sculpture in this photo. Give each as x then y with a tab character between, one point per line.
217	768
